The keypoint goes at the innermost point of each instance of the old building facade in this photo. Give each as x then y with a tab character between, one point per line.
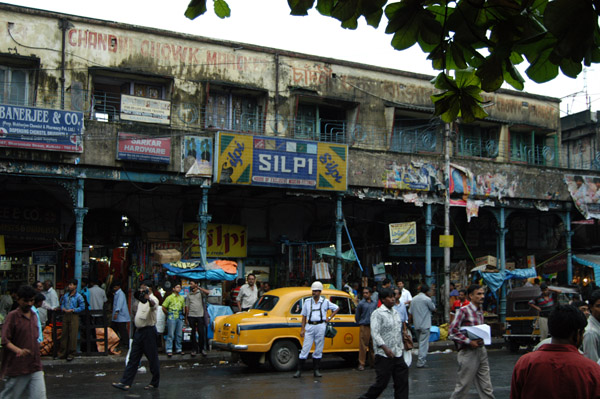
116	135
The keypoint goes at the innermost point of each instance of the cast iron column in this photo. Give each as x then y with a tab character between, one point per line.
568	235
502	230
339	224
203	218
80	213
428	230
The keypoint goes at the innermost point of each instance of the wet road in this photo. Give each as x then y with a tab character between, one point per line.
237	381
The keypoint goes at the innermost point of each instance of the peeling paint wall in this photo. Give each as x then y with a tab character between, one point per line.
369	95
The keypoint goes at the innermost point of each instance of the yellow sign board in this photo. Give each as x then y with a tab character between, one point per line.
446	241
2	247
403	233
222	240
280	162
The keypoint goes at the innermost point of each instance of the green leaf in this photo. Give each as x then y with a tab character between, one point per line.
300	7
344	10
222	9
570	68
573	23
324	7
513	77
195	9
444	82
541	69
406	37
374	18
491	73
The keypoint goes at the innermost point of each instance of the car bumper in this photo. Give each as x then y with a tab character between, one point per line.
228	347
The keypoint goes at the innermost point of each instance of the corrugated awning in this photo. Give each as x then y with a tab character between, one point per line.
592	261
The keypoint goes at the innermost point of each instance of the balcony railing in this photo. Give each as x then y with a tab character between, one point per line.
477	147
415	140
534	155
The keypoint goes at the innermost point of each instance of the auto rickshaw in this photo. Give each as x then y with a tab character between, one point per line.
522	327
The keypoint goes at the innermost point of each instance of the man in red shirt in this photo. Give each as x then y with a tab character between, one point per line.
558	370
461	301
21	357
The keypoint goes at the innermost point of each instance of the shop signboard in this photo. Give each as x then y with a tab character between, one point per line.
135	147
403	233
279	162
44	257
222	240
143	109
40	129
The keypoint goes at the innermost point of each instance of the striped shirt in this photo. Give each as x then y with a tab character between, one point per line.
466	316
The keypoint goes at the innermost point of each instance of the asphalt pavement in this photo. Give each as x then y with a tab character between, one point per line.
227	380
220	375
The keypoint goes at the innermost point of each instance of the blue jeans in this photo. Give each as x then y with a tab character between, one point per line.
174	329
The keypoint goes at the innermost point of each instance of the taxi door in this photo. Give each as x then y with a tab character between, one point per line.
294	317
347	337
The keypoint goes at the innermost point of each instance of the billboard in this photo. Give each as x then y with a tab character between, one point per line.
222	240
41	129
143	109
279	162
135	147
197	154
585	192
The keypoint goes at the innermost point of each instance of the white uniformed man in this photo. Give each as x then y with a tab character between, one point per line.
314	313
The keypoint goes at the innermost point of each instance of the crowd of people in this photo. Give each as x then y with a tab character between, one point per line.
567	362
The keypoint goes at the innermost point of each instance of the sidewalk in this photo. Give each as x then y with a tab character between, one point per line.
101	364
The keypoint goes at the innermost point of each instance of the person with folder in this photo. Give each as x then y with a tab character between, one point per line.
473	365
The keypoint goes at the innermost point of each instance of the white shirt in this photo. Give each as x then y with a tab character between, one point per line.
51	298
405	297
311	309
247	296
97	298
386	329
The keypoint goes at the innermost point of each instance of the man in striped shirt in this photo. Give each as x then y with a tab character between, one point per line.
473	365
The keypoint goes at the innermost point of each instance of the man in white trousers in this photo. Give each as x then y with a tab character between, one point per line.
314	313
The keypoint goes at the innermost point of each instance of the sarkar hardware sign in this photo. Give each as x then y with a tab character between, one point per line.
279	162
41	129
134	147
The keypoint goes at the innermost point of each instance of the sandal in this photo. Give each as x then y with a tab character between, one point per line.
169	354
121	386
150	387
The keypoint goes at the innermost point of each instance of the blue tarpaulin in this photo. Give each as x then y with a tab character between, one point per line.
199	273
495	280
592	261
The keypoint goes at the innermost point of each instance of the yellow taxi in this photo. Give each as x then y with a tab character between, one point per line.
271	329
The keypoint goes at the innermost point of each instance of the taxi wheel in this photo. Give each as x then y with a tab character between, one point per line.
284	355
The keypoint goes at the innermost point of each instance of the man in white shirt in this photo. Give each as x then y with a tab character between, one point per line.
144	340
248	294
97	301
386	331
405	296
51	300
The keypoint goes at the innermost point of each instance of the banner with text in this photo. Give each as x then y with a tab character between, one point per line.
135	147
279	162
585	192
40	129
222	240
403	233
142	109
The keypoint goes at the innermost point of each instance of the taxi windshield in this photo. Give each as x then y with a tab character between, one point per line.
266	302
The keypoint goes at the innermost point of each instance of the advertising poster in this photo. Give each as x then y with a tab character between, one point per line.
279	162
222	240
134	147
197	155
585	192
143	109
41	129
403	233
